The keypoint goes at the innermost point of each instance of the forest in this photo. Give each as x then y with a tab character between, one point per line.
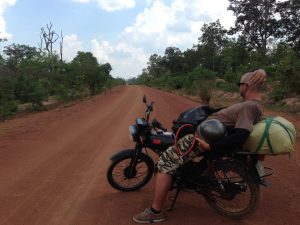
31	75
266	35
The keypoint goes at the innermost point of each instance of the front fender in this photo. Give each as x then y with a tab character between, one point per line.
122	153
131	152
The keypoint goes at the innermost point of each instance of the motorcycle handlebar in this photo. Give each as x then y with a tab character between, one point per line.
149	109
158	125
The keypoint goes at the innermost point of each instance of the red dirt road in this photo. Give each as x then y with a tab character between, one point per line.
53	167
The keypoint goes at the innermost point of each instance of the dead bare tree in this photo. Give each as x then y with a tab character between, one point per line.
61	46
41	42
49	37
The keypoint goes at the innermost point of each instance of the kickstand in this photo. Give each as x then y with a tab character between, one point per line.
173	200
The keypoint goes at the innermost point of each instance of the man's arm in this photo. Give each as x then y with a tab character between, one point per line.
237	138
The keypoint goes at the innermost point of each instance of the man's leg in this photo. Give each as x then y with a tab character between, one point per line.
167	164
163	183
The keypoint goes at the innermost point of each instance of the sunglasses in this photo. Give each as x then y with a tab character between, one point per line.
240	83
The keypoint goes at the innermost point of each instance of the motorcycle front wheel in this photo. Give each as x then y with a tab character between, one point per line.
123	177
237	195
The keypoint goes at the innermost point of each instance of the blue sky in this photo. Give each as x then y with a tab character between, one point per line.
122	32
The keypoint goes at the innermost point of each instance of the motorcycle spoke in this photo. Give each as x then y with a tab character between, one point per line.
118	174
232	200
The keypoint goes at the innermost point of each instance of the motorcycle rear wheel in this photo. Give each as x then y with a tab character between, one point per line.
123	178
241	195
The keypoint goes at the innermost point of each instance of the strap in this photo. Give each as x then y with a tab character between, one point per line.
269	121
268	125
266	135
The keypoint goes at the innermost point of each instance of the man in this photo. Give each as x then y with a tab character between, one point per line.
240	116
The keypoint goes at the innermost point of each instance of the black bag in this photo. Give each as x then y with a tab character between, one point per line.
193	117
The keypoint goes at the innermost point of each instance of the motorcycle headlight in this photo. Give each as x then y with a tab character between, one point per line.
133	133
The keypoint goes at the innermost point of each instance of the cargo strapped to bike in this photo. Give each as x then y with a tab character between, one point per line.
272	136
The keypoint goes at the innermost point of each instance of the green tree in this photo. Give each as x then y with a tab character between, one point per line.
256	21
173	60
86	68
18	54
156	66
2	61
233	55
289	23
285	67
106	68
8	103
211	42
191	59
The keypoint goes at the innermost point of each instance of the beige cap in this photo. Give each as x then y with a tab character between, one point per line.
246	78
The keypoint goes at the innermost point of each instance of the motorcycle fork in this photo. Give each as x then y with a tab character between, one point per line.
134	160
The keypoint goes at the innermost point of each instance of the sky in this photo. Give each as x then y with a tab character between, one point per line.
124	33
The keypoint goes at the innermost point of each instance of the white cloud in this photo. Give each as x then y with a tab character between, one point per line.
111	5
102	50
3	5
158	26
211	11
71	46
177	24
127	61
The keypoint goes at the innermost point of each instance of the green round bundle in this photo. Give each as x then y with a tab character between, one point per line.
272	136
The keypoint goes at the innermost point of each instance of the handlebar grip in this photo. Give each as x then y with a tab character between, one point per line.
164	129
158	125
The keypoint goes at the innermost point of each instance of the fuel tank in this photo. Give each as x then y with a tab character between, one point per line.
160	141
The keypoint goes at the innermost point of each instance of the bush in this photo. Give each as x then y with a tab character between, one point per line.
8	108
200	73
8	104
38	94
204	90
61	93
231	77
278	93
175	83
188	86
227	87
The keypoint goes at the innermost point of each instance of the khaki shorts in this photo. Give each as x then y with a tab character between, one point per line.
170	159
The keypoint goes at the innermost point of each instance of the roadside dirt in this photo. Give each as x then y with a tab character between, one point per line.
53	167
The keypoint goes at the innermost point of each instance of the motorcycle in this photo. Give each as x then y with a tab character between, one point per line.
230	182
